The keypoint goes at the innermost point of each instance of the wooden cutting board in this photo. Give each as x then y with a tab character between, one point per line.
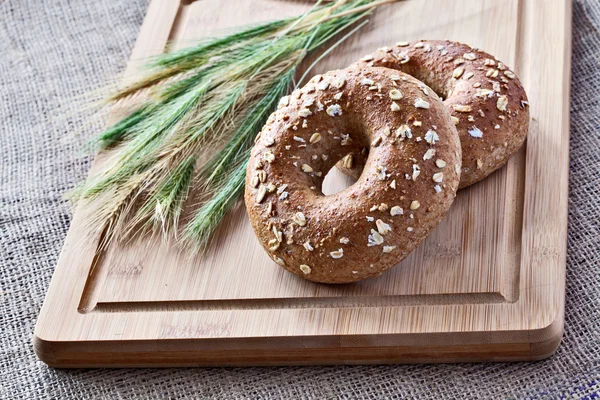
487	284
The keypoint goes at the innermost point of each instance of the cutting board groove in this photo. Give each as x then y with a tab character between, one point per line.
487	284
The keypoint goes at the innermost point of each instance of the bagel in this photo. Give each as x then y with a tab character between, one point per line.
408	183
485	98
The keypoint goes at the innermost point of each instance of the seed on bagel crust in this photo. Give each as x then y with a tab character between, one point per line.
438	177
462	108
395	94
299	219
420	103
396	210
395	106
475	132
440	163
414	205
334	110
375	238
305	269
428	154
432	137
337	254
382	227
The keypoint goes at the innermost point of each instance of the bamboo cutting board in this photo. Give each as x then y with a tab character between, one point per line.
487	284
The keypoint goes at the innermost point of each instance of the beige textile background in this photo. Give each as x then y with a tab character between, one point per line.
54	51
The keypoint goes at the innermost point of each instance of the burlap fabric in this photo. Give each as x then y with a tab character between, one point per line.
56	50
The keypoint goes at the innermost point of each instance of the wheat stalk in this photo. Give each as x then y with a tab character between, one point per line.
204	106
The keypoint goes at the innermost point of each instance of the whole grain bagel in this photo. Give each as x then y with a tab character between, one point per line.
485	98
408	184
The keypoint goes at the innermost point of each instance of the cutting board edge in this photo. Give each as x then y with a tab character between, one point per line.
237	352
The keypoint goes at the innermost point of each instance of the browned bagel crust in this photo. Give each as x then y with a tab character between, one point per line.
352	235
485	98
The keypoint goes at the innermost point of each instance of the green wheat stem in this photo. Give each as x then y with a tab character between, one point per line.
203	106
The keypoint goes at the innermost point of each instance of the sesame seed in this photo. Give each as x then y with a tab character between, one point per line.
410	229
279	261
414	205
388	249
269	157
502	103
457	73
315	138
420	103
299	139
479	164
419	45
438	177
402	44
395	94
305	112
475	132
347	161
374	239
416	172
440	163
489	62
278	234
323	86
305	269
468	76
382	227
470	56
337	254
282	188
483	93
262	191
509	74
339	83
334	110
431	137
254	182
396	210
367	81
269	141
404	132
376	142
381	172
461	108
428	154
273	244
299	219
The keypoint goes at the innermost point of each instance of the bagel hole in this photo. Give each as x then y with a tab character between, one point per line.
335	182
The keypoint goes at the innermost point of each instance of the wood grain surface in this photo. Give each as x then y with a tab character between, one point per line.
487	284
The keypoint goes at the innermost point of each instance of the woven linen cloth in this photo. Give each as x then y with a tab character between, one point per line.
53	52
